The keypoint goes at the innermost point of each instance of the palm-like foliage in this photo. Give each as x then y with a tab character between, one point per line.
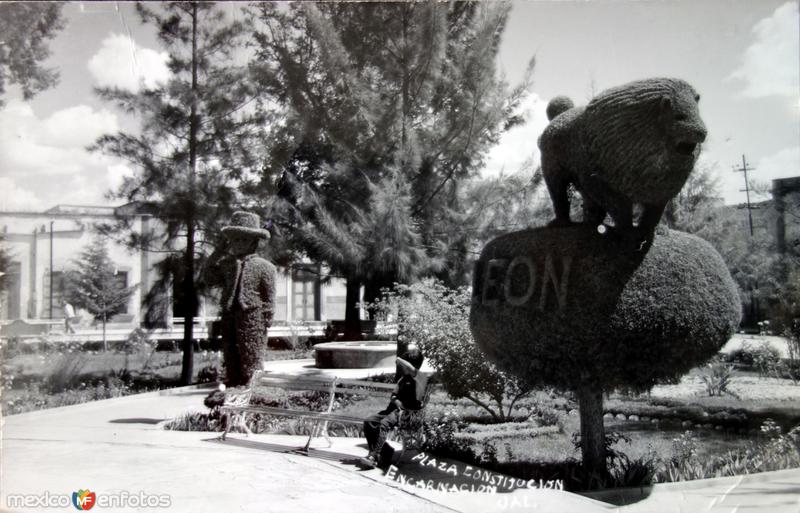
390	106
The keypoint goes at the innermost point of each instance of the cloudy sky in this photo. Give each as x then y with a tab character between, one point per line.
741	55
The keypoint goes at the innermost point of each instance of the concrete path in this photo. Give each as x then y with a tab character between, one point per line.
772	492
113	448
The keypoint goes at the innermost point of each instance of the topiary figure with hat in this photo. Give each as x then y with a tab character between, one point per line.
248	295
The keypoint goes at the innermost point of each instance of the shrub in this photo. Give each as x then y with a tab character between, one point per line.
193	421
774	451
33	398
208	374
65	372
547	416
488	454
441	439
436	319
791	366
9	348
480	433
786	321
766	359
717	377
627	473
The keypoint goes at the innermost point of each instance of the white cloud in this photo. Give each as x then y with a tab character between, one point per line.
78	126
520	144
45	161
770	64
120	62
783	164
13	197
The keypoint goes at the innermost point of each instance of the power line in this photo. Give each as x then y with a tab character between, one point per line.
744	169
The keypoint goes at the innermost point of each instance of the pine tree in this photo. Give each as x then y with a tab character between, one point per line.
198	143
25	28
494	206
94	285
398	95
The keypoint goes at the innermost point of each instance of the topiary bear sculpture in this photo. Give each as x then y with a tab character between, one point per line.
632	144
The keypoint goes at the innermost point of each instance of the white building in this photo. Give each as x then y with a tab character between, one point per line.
44	245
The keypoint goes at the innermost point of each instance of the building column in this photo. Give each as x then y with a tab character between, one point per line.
32	272
144	268
289	296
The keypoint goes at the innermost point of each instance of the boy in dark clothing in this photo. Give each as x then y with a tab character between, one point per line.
379	425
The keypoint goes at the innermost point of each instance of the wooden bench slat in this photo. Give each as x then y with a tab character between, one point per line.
281	381
316	388
289	378
292	377
371	384
270	410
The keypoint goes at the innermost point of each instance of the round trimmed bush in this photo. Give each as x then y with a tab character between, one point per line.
589	312
568	306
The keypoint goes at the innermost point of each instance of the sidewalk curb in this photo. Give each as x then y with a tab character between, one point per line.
629	494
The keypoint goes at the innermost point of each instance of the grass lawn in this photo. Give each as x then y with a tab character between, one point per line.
60	378
523	443
535	442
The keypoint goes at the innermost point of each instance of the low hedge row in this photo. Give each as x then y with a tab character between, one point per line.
486	435
725	417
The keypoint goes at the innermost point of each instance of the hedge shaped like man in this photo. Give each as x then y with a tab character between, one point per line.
248	295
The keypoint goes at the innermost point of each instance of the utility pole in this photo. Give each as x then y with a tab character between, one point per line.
754	307
744	169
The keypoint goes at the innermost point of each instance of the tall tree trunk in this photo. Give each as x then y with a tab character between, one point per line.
352	317
190	296
404	58
189	292
593	433
402	338
373	292
105	342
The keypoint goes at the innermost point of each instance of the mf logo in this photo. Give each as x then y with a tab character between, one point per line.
83	499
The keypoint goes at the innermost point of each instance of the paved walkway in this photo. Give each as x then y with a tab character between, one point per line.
114	447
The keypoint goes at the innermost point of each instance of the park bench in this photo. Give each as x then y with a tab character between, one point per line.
335	329
237	404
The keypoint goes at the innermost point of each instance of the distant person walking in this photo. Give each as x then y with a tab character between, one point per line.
69	316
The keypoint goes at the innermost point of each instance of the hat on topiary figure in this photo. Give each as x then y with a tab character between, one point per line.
246	223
